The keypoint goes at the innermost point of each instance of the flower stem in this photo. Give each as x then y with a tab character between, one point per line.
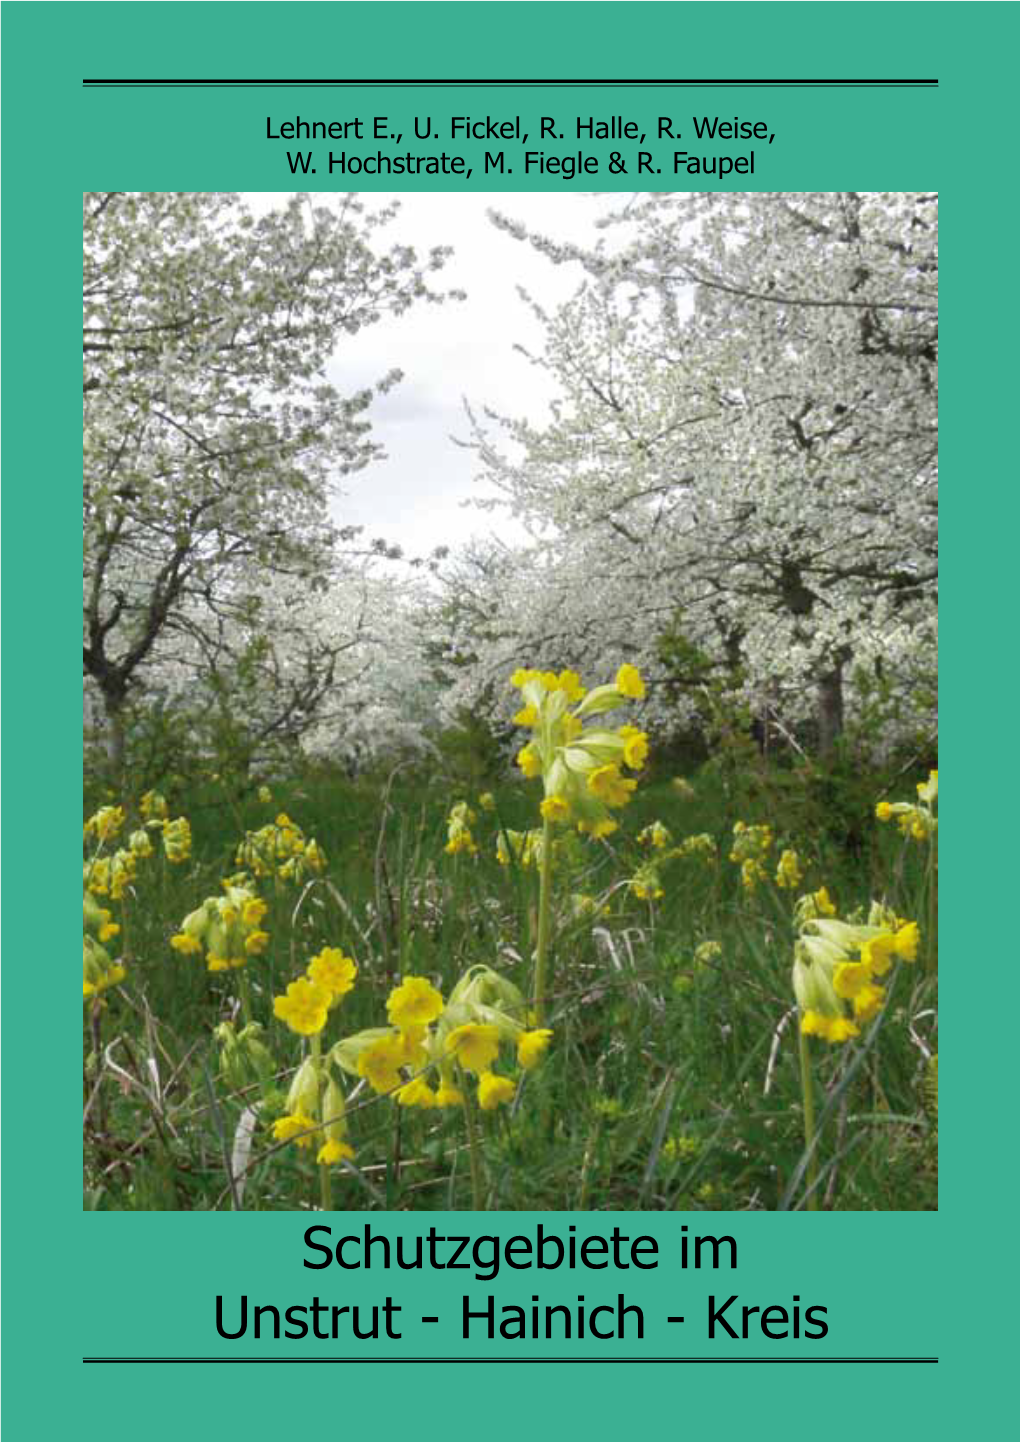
244	991
469	1122
325	1179
932	954
809	1123
544	914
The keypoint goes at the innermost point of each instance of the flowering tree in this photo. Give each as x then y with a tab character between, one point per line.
743	452
211	438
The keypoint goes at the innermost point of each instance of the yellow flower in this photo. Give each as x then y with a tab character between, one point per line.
788	872
253	911
570	682
256	942
475	1045
824	905
417	1093
331	969
299	1128
412	1039
494	1091
460	840
610	786
884	811
99	979
878	952
635	747
555	808
332	1152
868	1001
629	682
905	942
449	1096
177	840
531	1046
829	1028
153	806
603	827
530	761
304	1008
850	978
646	887
380	1063
107	927
185	944
526	716
929	790
106	822
225	963
415	1002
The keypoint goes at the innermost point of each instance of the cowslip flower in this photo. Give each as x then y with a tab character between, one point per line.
105	823
494	1091
226	927
531	1046
177	840
655	835
417	1093
788	872
330	1153
380	1062
153	806
297	1128
415	1002
475	1045
580	765
304	1008
836	963
329	968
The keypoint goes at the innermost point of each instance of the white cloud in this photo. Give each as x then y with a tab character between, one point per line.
457	351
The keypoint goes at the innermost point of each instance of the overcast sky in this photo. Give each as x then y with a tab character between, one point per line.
457	351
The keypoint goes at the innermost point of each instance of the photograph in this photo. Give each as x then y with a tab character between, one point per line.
510	701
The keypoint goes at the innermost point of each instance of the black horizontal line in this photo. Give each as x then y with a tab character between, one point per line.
674	1319
430	1319
530	83
511	1361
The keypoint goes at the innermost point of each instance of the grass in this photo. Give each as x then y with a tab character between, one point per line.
671	1082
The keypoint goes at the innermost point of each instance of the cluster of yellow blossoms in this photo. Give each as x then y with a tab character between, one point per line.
655	835
751	845
113	874
281	849
524	847
429	1044
458	828
580	768
837	966
228	928
646	883
788	873
99	970
919	822
316	1106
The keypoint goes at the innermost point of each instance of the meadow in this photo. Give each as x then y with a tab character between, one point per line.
426	988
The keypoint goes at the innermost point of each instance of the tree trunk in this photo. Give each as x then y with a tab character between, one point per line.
830	710
115	737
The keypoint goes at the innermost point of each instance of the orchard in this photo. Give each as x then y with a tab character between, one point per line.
588	865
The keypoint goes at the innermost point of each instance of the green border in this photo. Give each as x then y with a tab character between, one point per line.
892	1283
